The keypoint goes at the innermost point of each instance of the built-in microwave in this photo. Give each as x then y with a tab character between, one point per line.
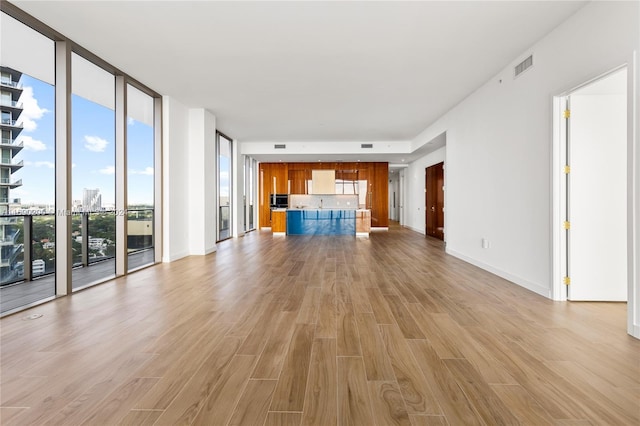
279	201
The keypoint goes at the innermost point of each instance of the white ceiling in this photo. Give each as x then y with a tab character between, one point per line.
309	71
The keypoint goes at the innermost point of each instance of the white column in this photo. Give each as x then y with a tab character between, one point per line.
175	179
237	180
202	188
63	168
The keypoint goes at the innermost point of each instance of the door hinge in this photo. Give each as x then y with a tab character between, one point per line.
566	224
566	113
567	169
566	281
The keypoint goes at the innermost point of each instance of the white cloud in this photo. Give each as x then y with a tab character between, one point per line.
95	143
31	111
131	121
148	171
47	164
109	170
73	165
32	144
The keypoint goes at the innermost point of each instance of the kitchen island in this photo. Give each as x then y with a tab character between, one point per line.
327	214
321	221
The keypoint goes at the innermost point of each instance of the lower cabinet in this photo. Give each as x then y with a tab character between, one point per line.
363	221
278	221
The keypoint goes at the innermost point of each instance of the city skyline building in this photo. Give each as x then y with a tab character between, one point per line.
10	109
91	199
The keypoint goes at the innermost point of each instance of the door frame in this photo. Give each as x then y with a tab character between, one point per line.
558	193
426	199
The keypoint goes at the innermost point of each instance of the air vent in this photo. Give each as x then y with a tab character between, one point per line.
279	146
524	65
366	145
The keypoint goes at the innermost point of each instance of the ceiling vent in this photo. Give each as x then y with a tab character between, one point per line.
524	65
366	145
279	146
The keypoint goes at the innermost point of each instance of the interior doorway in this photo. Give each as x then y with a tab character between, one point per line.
434	196
394	195
593	151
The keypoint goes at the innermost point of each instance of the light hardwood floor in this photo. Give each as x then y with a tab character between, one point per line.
318	330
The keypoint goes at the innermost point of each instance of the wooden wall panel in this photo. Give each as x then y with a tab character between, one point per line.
380	195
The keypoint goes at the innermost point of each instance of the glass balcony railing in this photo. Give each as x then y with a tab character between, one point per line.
28	246
9	122
8	83
8	141
140	224
93	237
224	215
10	103
8	162
8	181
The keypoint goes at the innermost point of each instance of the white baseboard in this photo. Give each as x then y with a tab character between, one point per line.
175	256
536	288
418	230
636	331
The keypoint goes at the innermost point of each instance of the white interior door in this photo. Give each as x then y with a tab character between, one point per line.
597	199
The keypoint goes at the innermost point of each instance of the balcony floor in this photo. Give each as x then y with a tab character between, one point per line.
27	292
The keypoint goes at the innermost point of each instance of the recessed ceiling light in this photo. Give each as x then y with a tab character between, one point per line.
402	160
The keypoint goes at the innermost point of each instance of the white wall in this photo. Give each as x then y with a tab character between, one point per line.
414	182
499	147
202	182
175	178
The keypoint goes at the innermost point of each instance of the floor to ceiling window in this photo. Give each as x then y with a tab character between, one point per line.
93	182
249	193
223	146
29	216
140	178
27	167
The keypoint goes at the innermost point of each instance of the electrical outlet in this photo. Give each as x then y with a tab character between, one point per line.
485	243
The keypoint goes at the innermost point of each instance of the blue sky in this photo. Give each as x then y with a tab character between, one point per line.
93	152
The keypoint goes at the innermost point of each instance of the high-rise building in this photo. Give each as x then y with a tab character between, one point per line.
10	108
91	199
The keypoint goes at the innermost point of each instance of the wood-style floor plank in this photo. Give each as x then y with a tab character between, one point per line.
388	330
290	391
320	406
414	388
374	354
254	403
220	403
354	404
141	418
387	403
283	419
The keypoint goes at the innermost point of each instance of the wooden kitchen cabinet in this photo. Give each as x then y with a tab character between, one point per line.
279	221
